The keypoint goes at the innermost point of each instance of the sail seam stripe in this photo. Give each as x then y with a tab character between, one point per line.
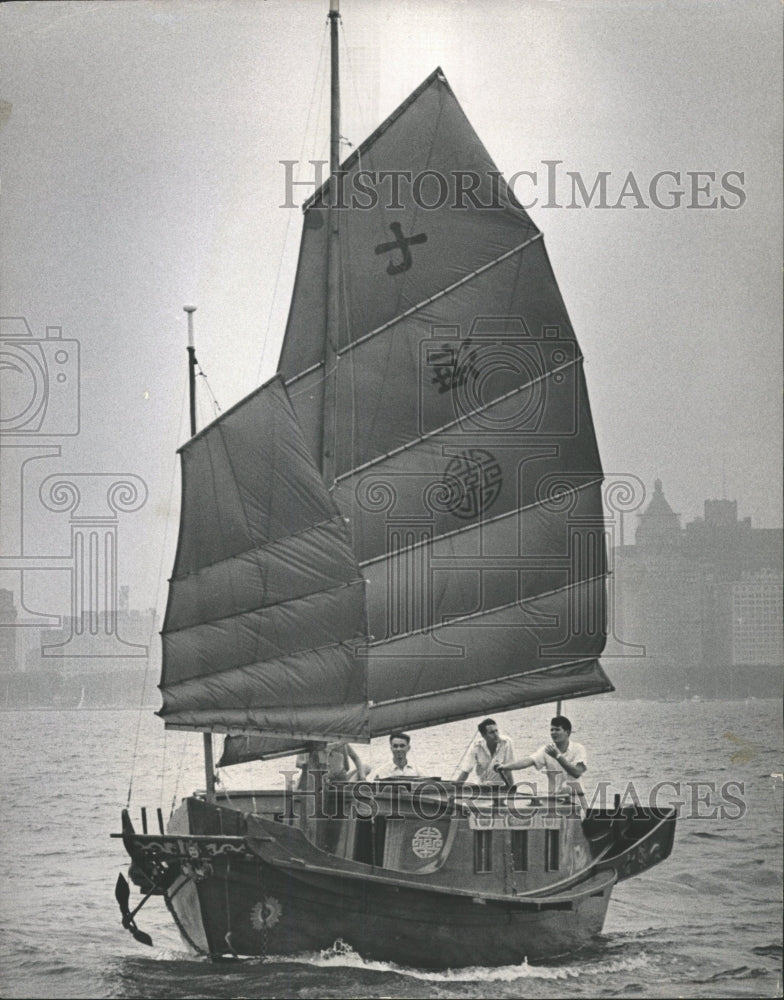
302	374
415	308
276	661
465	416
484	683
358	581
524	702
478	614
471	527
440	294
262	548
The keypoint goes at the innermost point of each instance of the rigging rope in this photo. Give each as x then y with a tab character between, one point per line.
282	254
215	404
164	551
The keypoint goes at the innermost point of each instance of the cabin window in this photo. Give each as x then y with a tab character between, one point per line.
552	860
379	839
363	841
369	841
483	851
519	850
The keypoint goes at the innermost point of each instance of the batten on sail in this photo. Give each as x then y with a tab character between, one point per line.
266	599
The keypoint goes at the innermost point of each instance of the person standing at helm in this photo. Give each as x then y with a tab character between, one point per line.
489	748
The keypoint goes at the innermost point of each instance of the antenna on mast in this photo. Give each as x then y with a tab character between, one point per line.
190	310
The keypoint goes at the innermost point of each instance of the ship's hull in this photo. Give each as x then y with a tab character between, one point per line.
451	891
255	909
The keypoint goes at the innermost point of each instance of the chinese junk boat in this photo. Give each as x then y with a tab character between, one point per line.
402	528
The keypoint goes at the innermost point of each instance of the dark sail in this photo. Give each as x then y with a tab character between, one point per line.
465	458
266	600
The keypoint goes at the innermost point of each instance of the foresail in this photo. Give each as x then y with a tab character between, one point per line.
266	601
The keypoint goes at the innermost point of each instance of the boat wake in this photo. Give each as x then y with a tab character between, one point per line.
342	955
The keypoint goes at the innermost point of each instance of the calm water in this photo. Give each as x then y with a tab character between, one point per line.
706	923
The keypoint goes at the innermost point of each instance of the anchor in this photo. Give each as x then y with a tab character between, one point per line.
122	893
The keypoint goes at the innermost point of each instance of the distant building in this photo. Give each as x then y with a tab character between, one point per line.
697	610
44	667
8	630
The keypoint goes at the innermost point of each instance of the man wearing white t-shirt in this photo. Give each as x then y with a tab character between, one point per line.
400	766
564	760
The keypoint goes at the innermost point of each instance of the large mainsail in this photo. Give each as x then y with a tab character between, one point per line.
464	452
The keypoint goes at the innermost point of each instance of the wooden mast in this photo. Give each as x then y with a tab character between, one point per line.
209	766
333	260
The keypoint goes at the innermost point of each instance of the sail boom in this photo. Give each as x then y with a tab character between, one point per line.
506	694
478	684
239	725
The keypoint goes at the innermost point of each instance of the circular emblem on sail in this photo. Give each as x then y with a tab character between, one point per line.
427	842
472	482
266	913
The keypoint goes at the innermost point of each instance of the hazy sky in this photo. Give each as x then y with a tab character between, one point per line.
140	172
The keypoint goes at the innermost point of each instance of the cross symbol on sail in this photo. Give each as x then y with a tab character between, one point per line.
401	243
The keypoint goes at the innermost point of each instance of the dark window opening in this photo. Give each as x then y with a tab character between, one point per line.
369	841
552	860
519	850
483	855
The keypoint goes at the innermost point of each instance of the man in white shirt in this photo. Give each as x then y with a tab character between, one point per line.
564	760
491	747
400	766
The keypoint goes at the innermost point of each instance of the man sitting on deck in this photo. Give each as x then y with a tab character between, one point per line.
334	759
489	748
564	760
400	766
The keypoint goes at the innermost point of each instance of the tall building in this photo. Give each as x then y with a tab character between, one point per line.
697	609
